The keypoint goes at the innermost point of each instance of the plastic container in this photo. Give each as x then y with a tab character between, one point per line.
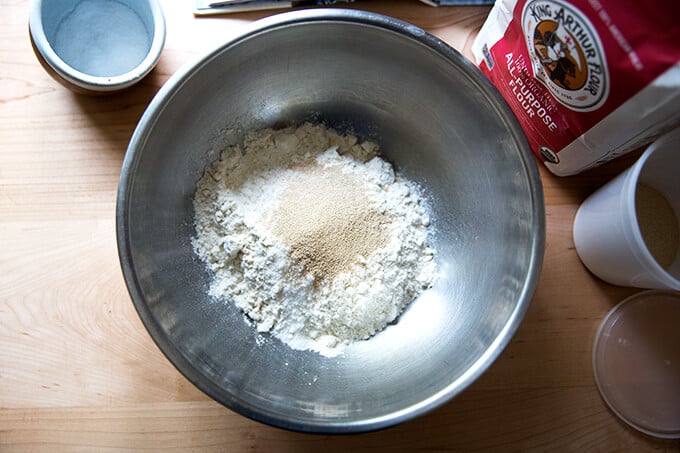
607	232
636	362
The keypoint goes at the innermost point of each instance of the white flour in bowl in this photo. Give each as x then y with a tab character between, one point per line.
313	236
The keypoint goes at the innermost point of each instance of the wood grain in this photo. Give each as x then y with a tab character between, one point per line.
78	372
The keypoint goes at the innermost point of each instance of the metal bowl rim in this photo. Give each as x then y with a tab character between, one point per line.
287	19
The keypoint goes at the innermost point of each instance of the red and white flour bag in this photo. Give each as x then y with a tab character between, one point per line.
589	80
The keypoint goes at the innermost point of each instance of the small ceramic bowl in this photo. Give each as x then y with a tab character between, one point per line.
97	46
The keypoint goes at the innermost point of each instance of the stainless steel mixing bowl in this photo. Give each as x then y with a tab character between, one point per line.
436	119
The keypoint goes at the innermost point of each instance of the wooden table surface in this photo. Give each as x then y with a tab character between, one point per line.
78	371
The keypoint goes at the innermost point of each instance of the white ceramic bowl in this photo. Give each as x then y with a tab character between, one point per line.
97	46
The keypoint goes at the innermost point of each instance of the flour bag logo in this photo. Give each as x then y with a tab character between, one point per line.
566	54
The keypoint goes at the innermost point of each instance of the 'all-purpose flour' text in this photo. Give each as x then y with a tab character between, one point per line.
527	93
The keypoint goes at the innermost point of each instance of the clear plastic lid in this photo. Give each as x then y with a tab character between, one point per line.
636	361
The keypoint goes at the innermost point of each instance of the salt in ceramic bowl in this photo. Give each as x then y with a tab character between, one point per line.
97	46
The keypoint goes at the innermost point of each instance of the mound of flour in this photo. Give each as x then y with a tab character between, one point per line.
312	235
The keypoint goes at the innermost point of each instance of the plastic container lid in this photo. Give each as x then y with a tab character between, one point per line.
636	361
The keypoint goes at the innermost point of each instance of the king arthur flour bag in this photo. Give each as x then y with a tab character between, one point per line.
589	80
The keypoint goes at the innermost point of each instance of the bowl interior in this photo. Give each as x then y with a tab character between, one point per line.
435	119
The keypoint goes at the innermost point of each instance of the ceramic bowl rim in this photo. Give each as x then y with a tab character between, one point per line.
89	82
